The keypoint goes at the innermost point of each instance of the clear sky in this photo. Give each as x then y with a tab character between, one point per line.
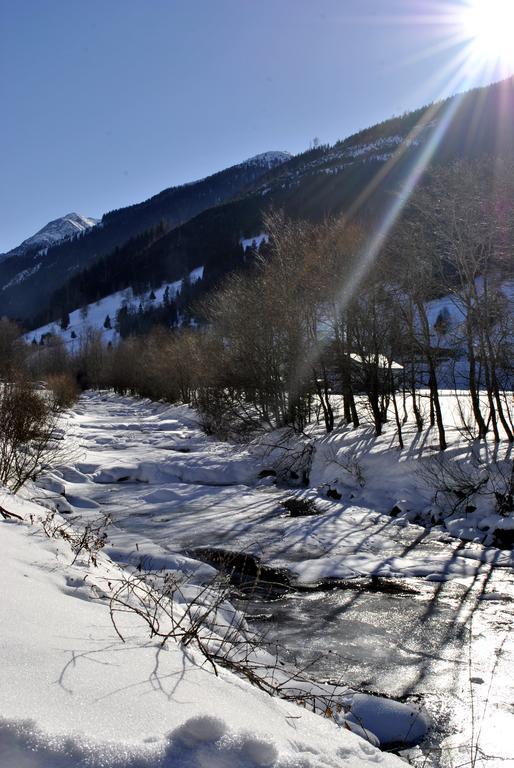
106	102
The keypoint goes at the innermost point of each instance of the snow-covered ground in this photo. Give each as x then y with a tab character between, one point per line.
156	459
75	695
93	316
406	611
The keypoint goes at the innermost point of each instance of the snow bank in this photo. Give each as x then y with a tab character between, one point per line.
205	742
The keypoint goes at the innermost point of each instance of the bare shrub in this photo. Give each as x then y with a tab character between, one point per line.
29	436
289	454
455	482
91	360
89	541
64	389
49	359
502	482
347	461
9	515
459	484
202	618
176	611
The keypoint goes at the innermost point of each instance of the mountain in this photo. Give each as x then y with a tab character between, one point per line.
52	233
28	281
206	224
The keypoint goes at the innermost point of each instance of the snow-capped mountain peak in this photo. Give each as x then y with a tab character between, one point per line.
268	159
59	229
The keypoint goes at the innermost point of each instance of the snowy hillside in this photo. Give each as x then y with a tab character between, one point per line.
30	287
350	153
451	308
93	316
53	232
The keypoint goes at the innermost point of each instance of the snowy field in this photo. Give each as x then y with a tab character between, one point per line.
382	604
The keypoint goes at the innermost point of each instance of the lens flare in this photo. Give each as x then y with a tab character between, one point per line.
489	27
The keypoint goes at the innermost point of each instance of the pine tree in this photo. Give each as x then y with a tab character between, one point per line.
107	323
65	321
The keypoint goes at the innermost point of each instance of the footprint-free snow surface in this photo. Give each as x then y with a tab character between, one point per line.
371	601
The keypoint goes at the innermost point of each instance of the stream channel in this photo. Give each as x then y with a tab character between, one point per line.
446	644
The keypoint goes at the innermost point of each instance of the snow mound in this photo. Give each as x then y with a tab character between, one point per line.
201	742
392	721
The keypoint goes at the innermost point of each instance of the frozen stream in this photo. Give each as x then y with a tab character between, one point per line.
416	615
421	646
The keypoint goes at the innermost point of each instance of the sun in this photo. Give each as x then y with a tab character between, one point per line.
489	27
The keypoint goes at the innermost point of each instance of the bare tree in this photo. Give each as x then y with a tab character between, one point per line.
464	209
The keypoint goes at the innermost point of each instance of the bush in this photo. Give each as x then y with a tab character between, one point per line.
64	389
29	439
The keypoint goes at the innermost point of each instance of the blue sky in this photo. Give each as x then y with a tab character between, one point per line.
106	102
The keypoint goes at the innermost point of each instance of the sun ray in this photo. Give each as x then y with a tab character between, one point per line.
466	68
444	113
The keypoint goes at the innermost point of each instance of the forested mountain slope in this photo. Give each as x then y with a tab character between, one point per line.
362	176
27	281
